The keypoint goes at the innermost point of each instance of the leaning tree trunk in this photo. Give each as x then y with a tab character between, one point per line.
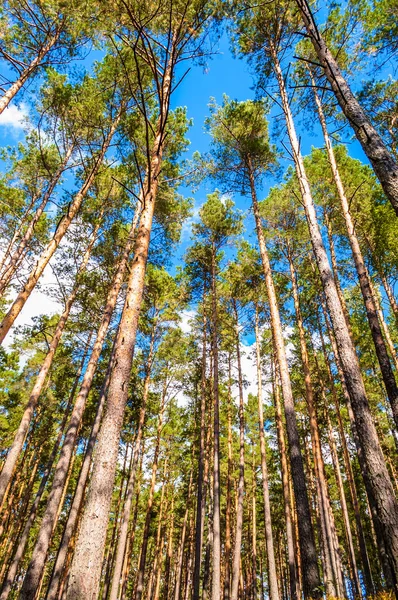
241	483
86	566
29	70
19	439
376	469
310	572
380	158
363	276
60	231
15	259
269	541
39	555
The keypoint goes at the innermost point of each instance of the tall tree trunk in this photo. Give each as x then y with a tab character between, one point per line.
310	572
70	527
200	504
269	542
59	233
30	69
177	588
377	473
159	542
43	540
216	562
384	325
19	439
17	255
145	535
381	159
334	586
363	276
86	566
254	528
227	547
288	505
122	537
241	483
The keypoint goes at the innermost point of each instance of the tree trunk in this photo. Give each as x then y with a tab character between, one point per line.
227	550
382	161
200	504
19	439
310	572
43	541
379	480
17	255
145	535
177	588
269	542
27	72
216	563
86	566
122	537
70	527
241	483
59	233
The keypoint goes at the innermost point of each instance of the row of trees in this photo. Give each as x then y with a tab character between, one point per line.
133	464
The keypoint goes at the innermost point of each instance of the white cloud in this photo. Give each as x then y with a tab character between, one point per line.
13	116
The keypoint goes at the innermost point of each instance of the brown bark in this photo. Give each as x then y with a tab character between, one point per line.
382	161
241	482
386	504
272	575
200	504
216	558
17	255
288	506
179	567
122	538
310	572
43	540
29	70
86	566
227	548
145	536
59	233
20	436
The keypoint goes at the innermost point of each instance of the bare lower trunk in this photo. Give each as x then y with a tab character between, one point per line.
17	255
227	550
43	541
216	564
60	231
70	527
19	439
241	483
122	537
180	560
381	159
310	572
28	71
269	541
382	490
199	494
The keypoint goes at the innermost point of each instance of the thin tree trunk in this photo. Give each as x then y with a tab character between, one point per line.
27	72
15	259
382	161
377	473
216	562
43	541
19	439
59	233
227	548
177	588
310	572
200	495
384	325
145	535
241	483
269	542
290	537
254	528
